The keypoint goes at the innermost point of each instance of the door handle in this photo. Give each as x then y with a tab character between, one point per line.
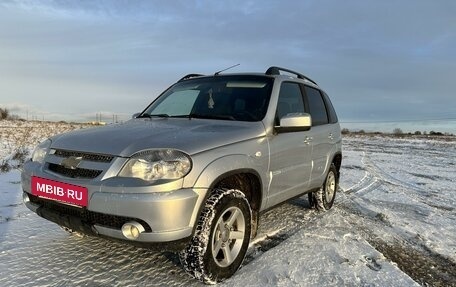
308	140
331	136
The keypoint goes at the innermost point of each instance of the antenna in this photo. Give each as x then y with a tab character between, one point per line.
216	73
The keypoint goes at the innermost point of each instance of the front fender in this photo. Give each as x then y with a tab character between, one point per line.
209	165
223	167
227	165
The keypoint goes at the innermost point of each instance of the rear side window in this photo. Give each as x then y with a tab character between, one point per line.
332	113
316	106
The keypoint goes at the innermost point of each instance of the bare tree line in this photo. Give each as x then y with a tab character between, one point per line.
4	114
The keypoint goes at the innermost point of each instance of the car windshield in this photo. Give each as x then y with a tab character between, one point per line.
238	98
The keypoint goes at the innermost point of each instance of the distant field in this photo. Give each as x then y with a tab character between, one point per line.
18	138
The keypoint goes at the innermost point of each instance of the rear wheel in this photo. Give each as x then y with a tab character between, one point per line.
323	199
221	238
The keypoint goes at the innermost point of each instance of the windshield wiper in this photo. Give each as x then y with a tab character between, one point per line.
190	116
214	117
160	116
152	116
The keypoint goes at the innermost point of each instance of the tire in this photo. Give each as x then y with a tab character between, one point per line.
323	199
221	238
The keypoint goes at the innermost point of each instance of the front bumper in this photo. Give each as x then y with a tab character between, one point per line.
167	215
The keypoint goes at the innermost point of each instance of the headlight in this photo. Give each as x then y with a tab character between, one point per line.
157	164
41	151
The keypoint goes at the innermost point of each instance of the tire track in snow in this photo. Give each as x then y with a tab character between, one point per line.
424	265
382	177
412	256
368	183
279	224
270	239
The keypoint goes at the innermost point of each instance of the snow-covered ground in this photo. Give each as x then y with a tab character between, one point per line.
394	224
18	138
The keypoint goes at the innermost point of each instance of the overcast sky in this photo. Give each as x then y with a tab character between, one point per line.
378	60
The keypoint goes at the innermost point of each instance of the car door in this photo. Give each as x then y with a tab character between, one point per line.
290	152
323	134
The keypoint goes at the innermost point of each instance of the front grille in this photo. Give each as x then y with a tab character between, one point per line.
89	217
74	173
85	156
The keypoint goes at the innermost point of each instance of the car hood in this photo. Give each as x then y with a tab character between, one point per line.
189	135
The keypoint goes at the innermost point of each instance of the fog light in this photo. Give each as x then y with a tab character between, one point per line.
25	197
132	230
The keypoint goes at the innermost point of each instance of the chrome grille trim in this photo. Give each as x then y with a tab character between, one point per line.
84	155
89	165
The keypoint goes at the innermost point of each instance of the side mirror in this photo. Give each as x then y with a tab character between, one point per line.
135	115
295	122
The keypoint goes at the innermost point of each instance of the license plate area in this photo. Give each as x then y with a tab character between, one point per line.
60	191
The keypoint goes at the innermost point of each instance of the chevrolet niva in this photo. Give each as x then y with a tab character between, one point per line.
194	170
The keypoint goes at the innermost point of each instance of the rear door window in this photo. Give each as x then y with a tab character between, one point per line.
317	106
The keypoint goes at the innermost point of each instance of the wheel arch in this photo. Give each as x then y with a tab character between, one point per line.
248	181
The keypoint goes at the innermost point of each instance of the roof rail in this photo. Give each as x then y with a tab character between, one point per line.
276	71
186	77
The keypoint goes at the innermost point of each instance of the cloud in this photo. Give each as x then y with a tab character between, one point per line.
373	58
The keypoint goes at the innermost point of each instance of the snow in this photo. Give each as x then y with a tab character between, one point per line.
393	224
327	253
16	135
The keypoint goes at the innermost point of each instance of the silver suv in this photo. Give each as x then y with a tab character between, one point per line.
195	169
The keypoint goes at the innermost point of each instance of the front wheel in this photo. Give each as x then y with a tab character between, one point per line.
323	199
221	238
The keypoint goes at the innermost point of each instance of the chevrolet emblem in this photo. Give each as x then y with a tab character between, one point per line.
71	162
